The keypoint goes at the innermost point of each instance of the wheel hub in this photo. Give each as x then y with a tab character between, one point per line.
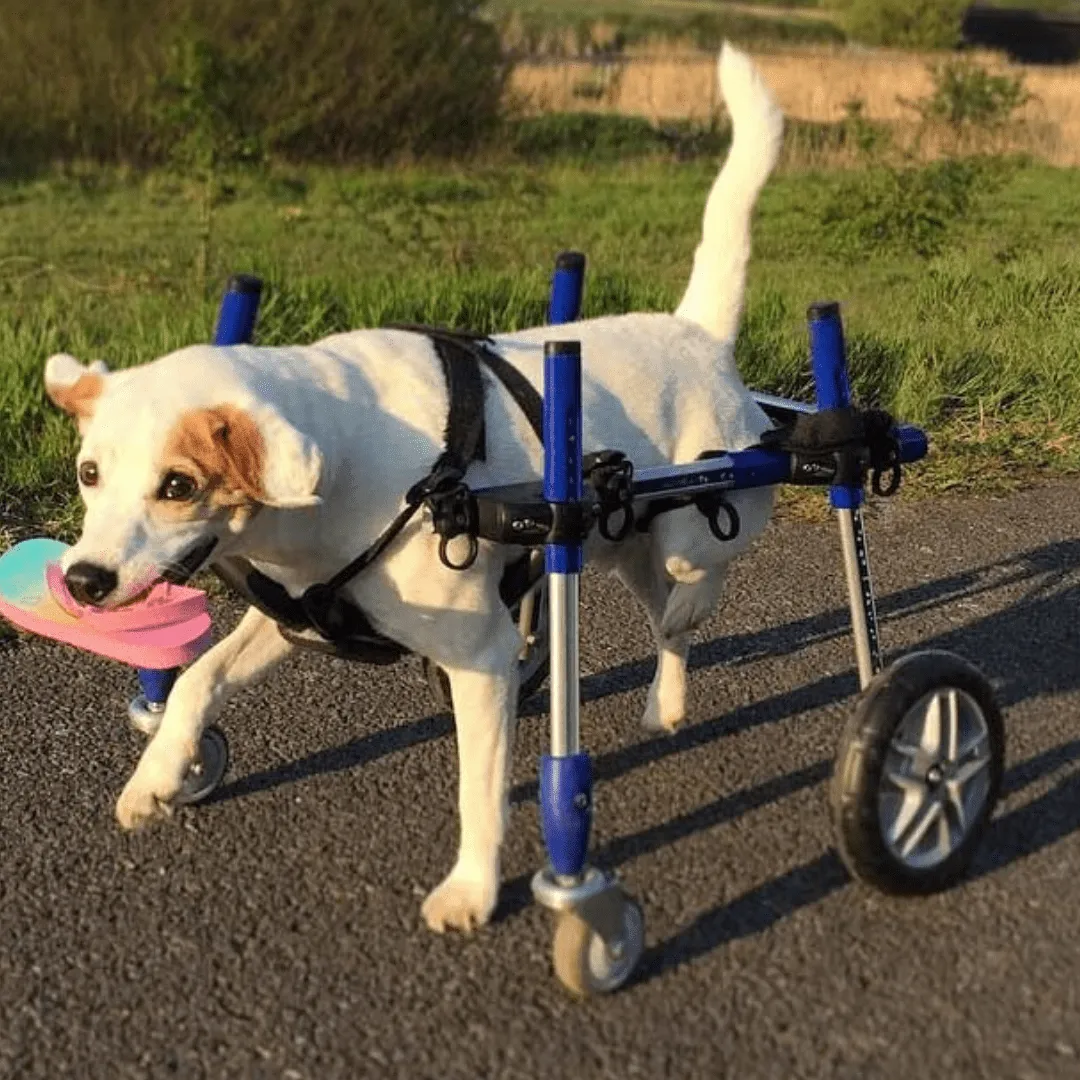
936	778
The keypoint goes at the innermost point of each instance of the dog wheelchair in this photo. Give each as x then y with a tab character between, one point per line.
919	765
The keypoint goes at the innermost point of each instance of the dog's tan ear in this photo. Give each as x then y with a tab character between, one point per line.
73	387
290	464
248	455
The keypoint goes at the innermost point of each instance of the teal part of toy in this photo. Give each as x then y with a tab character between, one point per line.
22	570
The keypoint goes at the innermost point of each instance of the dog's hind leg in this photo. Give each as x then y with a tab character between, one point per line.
674	610
239	660
484	695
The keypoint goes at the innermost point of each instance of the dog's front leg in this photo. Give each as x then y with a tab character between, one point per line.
485	709
248	653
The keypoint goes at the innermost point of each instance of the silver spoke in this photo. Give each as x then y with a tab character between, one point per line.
905	781
952	726
955	791
930	739
969	770
920	828
944	844
912	803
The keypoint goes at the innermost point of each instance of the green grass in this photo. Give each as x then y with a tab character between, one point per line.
981	340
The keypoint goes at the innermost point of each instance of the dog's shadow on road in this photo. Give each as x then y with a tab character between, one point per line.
1031	648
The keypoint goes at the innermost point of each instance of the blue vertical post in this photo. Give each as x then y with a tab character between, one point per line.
235	326
238	311
565	773
833	389
567	287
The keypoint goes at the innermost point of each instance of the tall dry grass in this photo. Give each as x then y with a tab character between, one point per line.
334	80
812	85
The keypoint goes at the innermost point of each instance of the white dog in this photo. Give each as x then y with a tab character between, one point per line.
297	458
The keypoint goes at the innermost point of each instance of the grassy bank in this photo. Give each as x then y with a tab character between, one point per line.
961	290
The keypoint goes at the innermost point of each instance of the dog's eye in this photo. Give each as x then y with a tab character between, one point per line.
177	487
88	473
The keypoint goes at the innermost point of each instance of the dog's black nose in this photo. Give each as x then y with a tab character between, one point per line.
89	583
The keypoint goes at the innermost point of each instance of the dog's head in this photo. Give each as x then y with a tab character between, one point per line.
175	460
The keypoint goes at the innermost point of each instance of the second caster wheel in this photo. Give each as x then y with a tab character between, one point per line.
208	771
585	963
918	774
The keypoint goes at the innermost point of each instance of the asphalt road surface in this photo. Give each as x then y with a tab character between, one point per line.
275	932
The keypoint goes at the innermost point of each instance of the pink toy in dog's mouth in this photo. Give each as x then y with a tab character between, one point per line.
162	604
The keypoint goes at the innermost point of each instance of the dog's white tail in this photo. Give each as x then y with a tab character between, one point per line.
714	295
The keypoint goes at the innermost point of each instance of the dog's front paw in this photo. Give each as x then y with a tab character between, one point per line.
149	794
460	903
139	805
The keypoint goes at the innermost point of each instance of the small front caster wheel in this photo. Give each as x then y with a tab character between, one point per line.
145	717
208	770
585	963
918	774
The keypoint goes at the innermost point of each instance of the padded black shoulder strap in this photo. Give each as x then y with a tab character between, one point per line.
464	437
525	395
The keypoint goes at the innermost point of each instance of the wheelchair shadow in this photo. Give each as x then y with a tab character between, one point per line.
335	759
1043	620
1011	837
1051	562
1034	642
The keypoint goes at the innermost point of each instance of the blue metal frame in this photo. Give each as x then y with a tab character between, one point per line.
831	384
235	325
749	468
562	443
565	773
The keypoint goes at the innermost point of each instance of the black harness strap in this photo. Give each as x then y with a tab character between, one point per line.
481	347
525	395
464	436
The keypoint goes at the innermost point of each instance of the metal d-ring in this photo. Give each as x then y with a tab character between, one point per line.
713	509
892	468
470	557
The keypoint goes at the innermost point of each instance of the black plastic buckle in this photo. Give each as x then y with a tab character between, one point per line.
325	611
612	476
571	522
845	467
454	514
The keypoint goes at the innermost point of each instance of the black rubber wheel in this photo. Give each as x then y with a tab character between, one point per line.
532	669
208	772
918	774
